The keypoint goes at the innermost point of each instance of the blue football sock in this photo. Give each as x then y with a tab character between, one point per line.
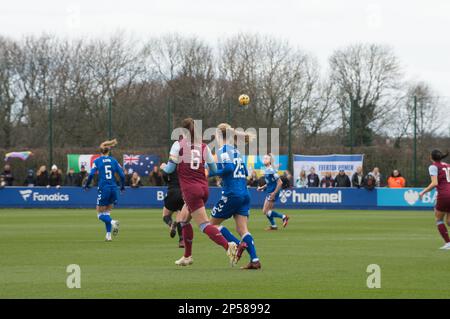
248	239
107	220
228	235
277	215
271	220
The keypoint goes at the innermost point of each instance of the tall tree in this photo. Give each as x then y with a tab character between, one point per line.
367	76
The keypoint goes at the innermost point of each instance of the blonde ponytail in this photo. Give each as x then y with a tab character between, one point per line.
225	131
106	145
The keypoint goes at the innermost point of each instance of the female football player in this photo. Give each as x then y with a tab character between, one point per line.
440	179
107	166
272	187
173	202
190	156
235	201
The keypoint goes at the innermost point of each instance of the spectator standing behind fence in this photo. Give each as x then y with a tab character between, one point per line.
128	175
81	176
285	181
71	178
370	182
253	180
135	181
261	181
379	180
156	177
396	180
313	178
342	180
358	178
55	178
30	180
7	174
302	180
327	181
289	177
42	176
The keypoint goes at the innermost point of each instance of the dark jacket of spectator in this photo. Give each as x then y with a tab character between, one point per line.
370	182
285	180
326	182
81	176
379	178
128	175
42	177
71	179
342	180
252	181
313	180
358	180
30	180
261	181
155	177
55	178
8	177
289	178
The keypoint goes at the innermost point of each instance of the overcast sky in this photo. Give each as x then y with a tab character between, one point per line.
417	30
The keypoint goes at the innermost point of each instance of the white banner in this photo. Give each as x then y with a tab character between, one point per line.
327	163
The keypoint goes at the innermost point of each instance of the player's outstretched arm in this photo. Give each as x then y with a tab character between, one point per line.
429	188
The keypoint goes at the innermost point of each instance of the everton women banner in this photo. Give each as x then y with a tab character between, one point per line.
327	163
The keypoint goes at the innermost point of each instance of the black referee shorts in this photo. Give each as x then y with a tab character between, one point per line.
174	200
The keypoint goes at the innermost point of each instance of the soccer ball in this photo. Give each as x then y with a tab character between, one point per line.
244	99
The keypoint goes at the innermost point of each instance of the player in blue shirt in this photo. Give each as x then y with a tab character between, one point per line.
107	166
235	201
272	187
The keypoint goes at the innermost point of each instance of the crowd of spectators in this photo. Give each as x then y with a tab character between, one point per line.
55	178
358	179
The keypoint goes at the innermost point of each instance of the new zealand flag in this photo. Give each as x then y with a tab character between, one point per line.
142	164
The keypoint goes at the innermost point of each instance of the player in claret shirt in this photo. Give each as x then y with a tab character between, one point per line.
189	156
440	179
107	166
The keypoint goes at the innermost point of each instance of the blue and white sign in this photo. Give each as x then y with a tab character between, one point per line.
153	197
328	198
327	163
404	197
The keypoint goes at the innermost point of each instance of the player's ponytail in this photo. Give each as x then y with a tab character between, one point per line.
272	158
105	147
226	132
189	124
437	155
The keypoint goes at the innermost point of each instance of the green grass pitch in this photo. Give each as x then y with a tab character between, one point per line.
321	254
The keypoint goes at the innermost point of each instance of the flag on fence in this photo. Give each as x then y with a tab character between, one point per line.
75	161
20	155
142	164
